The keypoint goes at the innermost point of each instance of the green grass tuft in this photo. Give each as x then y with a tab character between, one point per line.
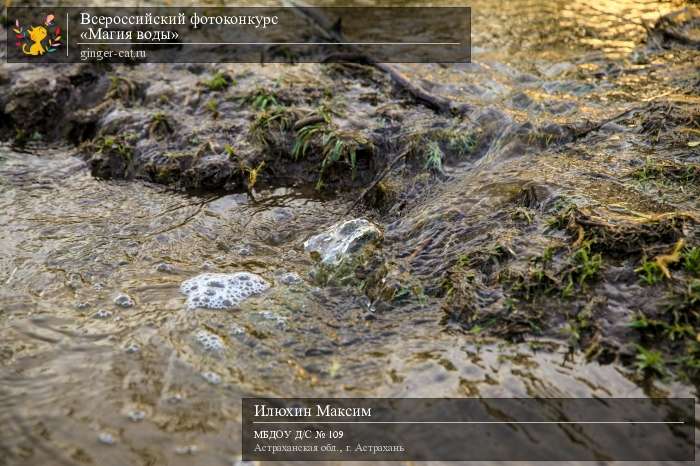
159	125
587	264
434	157
649	272
691	260
219	82
213	107
262	99
650	362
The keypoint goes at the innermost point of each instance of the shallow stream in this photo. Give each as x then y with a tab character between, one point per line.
72	374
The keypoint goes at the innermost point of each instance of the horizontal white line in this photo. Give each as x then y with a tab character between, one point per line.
468	422
270	43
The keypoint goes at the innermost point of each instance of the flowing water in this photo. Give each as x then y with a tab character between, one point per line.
76	368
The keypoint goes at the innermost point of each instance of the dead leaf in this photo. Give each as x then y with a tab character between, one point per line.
664	260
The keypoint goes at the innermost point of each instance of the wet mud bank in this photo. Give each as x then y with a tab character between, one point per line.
561	200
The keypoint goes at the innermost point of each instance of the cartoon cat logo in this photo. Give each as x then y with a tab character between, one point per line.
36	35
38	40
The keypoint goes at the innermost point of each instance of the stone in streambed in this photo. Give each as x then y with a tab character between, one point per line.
342	240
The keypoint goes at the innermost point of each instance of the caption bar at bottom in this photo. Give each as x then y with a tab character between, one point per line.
418	429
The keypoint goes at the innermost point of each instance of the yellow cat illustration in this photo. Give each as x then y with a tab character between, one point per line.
36	35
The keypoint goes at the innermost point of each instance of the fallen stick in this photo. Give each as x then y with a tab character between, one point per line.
597	126
332	31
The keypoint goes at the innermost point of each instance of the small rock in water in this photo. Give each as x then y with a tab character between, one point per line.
209	341
103	314
236	330
106	438
174	399
212	377
132	348
639	57
136	415
343	239
124	300
165	268
221	290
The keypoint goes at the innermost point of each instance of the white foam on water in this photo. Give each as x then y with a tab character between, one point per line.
221	290
212	377
209	341
106	438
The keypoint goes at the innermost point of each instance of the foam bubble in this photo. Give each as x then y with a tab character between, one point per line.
209	341
106	438
212	377
136	415
221	290
103	314
289	278
186	449
124	300
132	348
